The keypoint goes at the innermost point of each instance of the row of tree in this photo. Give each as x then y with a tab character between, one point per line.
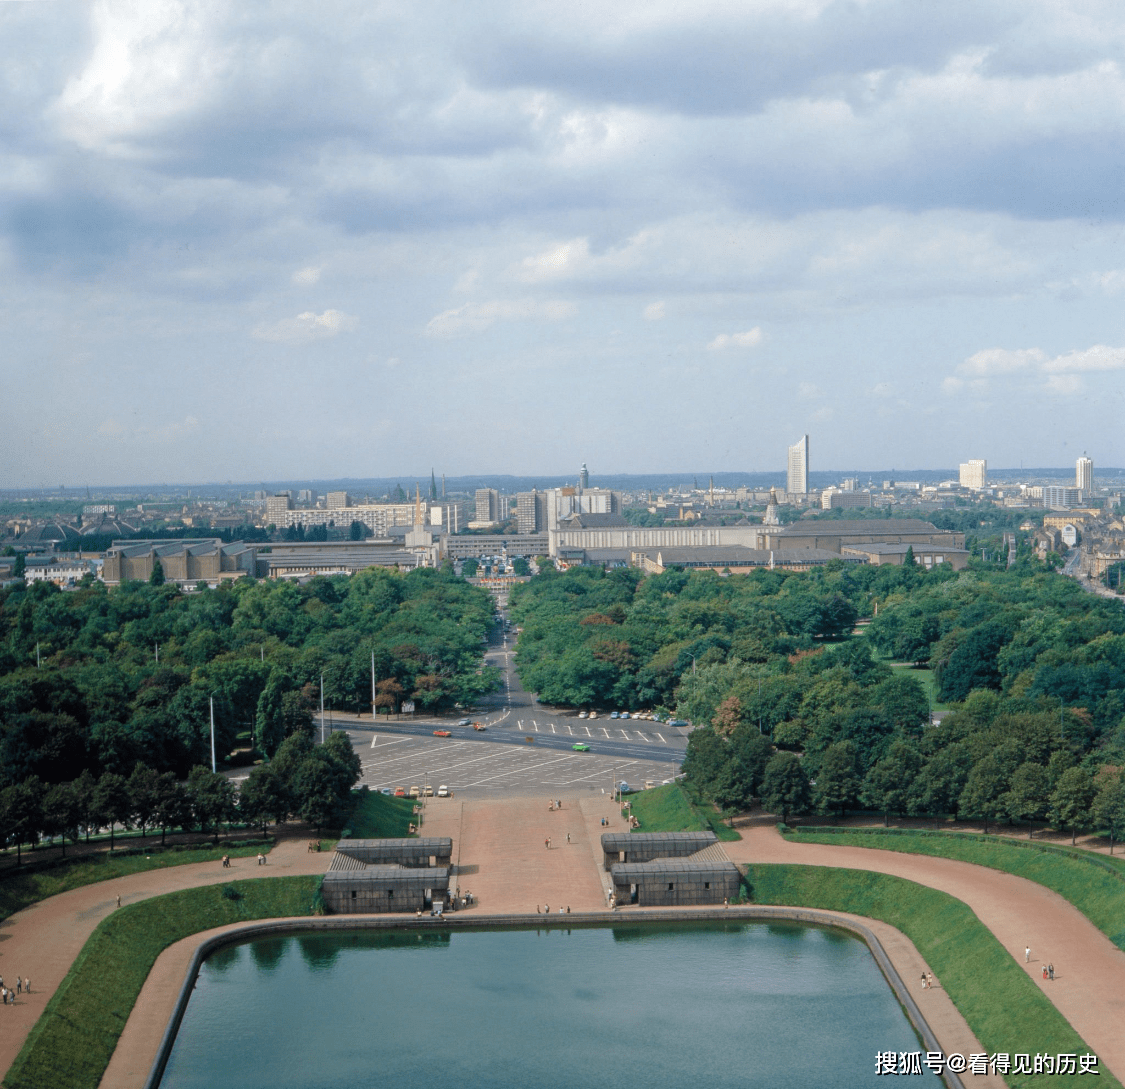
310	782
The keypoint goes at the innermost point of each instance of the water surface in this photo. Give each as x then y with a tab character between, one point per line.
720	1005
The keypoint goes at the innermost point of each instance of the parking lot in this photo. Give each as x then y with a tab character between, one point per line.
480	769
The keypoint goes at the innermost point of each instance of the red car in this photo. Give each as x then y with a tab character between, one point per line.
479	726
442	733
399	792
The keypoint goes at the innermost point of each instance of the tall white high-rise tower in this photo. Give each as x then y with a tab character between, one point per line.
1084	476
797	477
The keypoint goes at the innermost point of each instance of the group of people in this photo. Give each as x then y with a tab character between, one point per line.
547	910
1048	969
314	845
927	981
7	995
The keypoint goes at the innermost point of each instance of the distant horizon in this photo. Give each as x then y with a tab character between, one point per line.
523	482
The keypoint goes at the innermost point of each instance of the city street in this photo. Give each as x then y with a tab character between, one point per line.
526	746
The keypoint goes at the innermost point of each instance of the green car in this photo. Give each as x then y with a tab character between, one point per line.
580	747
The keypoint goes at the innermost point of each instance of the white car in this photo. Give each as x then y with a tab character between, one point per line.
443	791
582	714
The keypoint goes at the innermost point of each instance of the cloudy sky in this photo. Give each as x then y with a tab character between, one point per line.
280	240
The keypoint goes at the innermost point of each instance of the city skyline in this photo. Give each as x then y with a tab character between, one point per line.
293	243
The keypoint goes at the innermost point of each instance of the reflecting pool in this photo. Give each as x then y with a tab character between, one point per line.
718	1005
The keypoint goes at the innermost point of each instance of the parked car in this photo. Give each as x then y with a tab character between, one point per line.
677	722
385	790
614	714
399	792
593	714
624	714
580	747
623	787
443	791
442	733
414	792
582	714
427	791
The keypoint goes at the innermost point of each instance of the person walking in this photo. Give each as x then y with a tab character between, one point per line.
1044	971
119	899
1027	955
546	909
568	837
548	843
19	985
930	982
27	985
923	981
1051	971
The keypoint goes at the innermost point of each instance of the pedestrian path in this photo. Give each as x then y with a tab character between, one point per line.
42	940
1089	985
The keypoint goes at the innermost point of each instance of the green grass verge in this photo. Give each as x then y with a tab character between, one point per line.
1094	885
1003	1006
73	1041
670	809
925	677
19	890
379	816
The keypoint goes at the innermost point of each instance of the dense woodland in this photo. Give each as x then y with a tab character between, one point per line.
800	712
98	683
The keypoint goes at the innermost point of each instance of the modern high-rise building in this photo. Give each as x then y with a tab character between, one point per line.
531	511
487	505
974	474
797	476
276	508
1057	497
1084	476
337	500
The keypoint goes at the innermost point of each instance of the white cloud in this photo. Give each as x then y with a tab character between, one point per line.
307	326
553	264
1060	374
808	390
654	311
476	317
748	339
308	275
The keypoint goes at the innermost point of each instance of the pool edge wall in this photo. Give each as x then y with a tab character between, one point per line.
748	913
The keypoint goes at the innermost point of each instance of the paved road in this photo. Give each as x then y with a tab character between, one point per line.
512	714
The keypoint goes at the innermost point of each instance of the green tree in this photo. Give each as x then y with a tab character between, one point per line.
1109	808
144	795
61	813
173	809
84	788
111	804
984	791
838	782
520	566
20	566
889	784
156	578
938	786
211	797
908	560
469	567
21	813
1027	795
785	787
1072	800
264	797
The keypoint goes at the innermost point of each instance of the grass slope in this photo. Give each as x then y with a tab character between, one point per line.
1003	1006
71	1044
670	809
1094	885
377	816
19	890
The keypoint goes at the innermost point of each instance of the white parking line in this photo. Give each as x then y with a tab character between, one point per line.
606	732
662	741
587	729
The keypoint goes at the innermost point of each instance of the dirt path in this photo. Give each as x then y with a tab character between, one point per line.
1089	985
42	941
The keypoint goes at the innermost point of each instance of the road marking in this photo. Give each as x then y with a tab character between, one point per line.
552	727
625	735
662	741
606	732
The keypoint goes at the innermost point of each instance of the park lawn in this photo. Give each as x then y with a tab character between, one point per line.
925	677
73	1041
19	890
669	809
1002	1005
379	816
1094	885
